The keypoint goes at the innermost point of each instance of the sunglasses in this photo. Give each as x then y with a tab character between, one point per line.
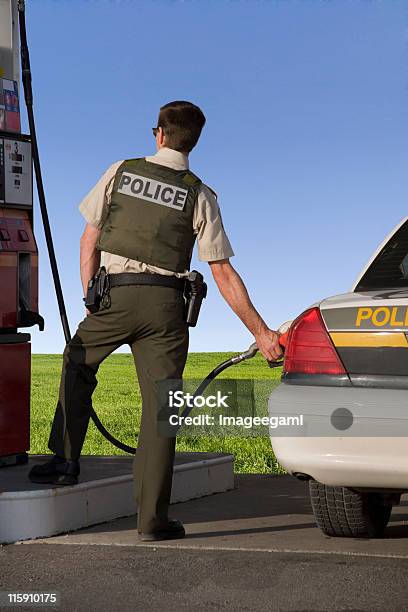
155	131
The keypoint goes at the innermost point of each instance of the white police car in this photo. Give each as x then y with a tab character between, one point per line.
345	377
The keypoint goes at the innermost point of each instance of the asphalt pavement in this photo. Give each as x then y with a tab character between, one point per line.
253	548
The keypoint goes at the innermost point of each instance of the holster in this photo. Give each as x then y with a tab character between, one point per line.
195	291
98	290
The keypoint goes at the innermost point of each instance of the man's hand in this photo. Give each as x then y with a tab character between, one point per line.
268	344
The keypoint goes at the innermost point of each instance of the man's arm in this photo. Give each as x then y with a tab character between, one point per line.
90	256
235	294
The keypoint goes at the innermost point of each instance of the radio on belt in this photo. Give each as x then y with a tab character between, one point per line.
18	264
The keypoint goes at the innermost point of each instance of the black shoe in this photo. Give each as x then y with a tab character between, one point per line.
57	471
173	531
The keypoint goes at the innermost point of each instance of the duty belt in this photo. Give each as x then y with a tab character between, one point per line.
141	278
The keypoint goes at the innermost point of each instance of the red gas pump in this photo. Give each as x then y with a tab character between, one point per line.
18	267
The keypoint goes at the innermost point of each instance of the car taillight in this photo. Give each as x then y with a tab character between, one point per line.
309	348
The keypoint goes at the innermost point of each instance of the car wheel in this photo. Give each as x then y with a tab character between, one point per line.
346	513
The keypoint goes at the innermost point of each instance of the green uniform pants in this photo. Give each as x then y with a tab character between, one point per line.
150	320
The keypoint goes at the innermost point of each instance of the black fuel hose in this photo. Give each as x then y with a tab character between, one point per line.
251	352
28	96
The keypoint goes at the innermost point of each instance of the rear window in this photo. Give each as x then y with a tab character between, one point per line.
390	267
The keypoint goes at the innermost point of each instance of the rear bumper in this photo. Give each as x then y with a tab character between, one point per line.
371	452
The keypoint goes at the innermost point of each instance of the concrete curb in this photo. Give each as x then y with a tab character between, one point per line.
40	513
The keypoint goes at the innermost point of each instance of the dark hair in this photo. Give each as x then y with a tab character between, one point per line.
182	123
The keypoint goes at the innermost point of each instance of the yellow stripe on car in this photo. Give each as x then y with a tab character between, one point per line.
369	339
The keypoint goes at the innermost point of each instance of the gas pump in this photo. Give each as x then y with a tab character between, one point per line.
18	252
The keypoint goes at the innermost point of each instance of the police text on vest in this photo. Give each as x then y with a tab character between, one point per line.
152	191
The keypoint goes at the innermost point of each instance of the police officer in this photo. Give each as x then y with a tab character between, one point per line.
143	217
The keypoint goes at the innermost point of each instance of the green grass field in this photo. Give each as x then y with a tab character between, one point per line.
118	404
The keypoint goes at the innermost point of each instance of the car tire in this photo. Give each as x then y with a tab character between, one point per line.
342	512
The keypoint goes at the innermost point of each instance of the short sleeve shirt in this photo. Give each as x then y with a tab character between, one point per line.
212	240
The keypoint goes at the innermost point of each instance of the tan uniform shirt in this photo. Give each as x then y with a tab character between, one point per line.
213	243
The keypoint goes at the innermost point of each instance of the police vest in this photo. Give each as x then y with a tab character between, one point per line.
150	216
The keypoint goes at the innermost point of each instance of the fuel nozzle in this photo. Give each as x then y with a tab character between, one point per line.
283	338
253	349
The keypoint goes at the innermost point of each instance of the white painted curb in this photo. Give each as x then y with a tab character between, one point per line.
26	515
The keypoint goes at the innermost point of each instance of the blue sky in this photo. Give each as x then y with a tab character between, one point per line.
305	142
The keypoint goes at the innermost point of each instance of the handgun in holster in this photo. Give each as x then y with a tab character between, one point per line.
98	288
194	292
